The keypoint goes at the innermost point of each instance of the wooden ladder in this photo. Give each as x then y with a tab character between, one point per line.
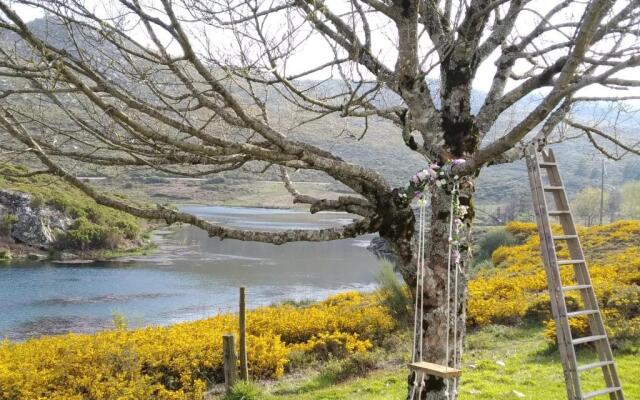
553	186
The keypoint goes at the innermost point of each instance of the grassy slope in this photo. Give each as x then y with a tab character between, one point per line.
96	228
530	369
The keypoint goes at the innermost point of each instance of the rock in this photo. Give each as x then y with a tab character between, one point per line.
36	257
34	224
380	248
73	261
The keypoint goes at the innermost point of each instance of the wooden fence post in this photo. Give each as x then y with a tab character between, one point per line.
244	368
229	354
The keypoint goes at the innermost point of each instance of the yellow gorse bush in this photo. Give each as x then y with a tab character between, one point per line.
179	361
337	344
517	288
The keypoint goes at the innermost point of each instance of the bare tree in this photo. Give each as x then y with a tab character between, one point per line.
184	86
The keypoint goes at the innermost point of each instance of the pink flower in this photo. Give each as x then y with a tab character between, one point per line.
458	161
455	255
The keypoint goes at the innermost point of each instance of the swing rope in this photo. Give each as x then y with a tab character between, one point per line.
454	194
419	302
418	329
450	242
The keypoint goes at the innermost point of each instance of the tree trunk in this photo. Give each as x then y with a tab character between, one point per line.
435	323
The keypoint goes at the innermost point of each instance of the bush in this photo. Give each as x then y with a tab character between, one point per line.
37	201
5	254
335	344
244	391
394	294
517	289
579	327
6	224
356	365
491	241
84	234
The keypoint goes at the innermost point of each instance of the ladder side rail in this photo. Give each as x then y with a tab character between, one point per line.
582	276
558	306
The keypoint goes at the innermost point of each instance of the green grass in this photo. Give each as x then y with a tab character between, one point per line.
530	368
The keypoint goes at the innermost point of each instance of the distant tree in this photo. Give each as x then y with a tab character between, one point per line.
517	207
615	202
186	87
587	205
631	170
630	205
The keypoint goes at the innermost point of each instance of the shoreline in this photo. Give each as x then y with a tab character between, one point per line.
19	253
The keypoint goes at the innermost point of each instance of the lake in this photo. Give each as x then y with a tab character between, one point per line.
190	276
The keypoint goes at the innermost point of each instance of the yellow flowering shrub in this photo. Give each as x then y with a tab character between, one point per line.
338	344
178	362
517	289
579	328
351	312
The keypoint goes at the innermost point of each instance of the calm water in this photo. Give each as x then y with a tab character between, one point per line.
190	276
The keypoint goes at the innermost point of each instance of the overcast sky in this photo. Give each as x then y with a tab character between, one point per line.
315	51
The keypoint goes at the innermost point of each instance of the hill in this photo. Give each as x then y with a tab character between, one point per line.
380	148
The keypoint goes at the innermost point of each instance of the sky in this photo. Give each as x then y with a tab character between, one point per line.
315	51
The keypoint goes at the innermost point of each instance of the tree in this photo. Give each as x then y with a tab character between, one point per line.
614	203
186	87
587	204
630	205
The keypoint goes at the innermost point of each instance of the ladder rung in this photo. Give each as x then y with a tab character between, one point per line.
565	237
588	339
556	213
547	164
552	188
581	312
587	367
597	393
570	262
576	287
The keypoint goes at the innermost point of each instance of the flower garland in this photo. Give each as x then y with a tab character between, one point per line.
434	175
441	177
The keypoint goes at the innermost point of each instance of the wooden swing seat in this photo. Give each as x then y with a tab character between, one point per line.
435	369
